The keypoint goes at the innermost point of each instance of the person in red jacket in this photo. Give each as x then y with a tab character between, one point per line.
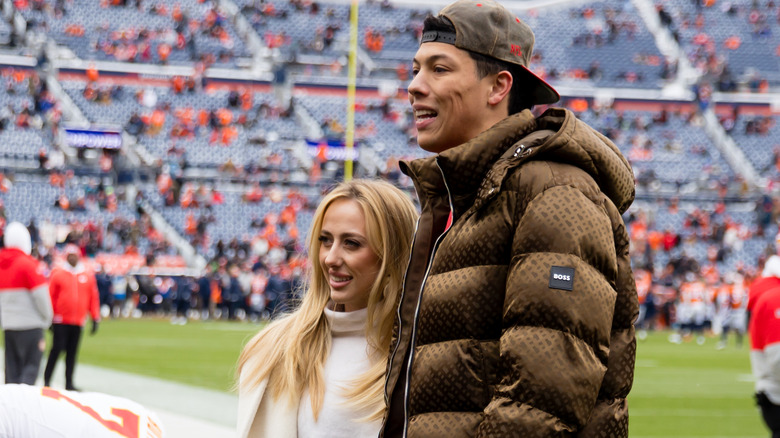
765	356
770	279
73	292
25	306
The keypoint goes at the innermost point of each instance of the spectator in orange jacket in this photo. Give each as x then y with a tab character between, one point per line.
25	307
770	279
765	356
73	292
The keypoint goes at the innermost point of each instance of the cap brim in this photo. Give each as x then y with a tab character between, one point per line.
542	93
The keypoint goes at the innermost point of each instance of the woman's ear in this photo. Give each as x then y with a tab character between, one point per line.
502	84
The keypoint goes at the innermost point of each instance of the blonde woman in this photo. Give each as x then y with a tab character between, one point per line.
320	370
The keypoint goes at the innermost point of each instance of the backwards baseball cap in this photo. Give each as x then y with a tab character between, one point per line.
72	249
488	28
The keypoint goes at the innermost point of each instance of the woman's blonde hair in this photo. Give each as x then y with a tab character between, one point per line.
291	351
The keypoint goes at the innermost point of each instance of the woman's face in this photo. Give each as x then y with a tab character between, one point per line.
349	264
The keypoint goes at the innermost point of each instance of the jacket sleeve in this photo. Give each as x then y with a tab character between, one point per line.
42	301
610	415
560	297
40	294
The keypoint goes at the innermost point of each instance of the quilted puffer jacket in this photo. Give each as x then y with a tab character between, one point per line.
524	326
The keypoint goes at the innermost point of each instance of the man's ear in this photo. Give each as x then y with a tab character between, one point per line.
502	84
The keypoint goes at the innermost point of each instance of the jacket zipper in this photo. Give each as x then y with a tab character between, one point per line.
401	300
417	310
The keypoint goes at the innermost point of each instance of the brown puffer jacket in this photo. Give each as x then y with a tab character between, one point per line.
524	327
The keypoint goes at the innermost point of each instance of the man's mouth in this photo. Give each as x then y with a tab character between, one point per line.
423	115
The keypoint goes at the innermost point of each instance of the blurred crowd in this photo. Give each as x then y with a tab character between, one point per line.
694	278
710	55
148	44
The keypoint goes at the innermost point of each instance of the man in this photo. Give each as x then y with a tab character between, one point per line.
25	306
74	293
105	285
516	318
765	356
182	300
204	292
232	293
732	300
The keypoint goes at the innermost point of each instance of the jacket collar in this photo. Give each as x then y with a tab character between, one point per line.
465	166
574	142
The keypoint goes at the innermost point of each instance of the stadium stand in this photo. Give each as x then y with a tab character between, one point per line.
84	211
665	146
756	135
161	32
217	126
29	117
731	42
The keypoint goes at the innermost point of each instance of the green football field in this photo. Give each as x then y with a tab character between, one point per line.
680	390
690	390
198	353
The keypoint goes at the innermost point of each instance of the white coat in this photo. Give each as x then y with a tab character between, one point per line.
260	416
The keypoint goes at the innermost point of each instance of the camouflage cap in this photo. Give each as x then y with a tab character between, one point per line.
488	28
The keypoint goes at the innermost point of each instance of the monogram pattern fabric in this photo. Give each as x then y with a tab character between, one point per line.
496	351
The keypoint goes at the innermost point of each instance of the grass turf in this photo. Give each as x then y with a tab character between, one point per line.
680	390
690	390
199	353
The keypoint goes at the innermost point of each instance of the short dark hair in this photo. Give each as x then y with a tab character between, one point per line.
519	99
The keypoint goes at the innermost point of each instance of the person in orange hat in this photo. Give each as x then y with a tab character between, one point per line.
74	293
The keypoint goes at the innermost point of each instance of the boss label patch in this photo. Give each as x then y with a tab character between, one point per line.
561	277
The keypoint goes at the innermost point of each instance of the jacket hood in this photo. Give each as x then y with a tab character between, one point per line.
772	267
75	270
569	140
17	236
8	256
578	144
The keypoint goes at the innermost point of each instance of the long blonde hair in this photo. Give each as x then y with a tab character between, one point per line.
291	351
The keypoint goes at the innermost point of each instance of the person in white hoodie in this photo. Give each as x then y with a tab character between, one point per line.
319	371
25	306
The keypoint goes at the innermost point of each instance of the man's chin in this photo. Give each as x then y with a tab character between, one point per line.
430	145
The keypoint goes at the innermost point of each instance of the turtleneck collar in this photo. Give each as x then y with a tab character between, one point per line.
347	323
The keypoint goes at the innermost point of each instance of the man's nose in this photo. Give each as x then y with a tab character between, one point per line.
417	86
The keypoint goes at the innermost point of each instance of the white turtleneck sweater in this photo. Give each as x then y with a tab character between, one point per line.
348	358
